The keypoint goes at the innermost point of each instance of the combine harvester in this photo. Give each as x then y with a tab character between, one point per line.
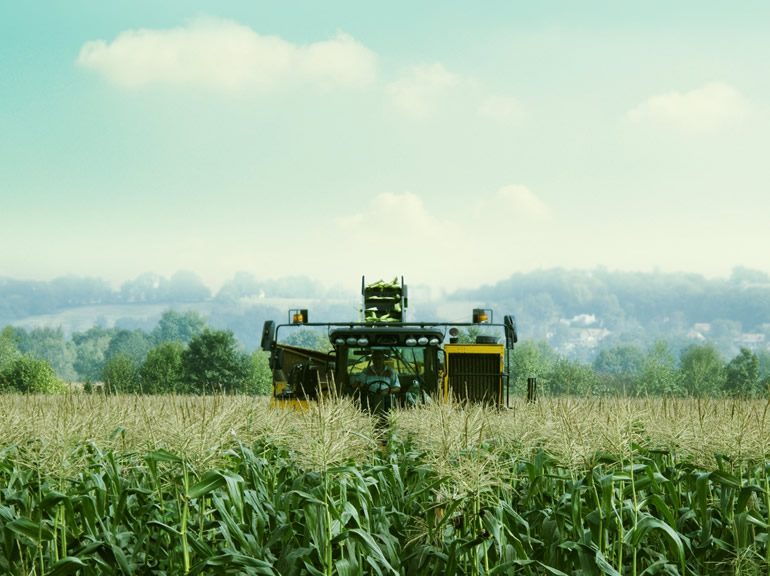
431	360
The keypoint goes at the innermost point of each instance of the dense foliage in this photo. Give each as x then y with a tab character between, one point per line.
182	354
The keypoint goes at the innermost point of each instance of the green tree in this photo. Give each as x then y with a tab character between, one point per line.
764	370
619	367
622	359
186	286
90	348
659	375
50	344
531	359
121	374
573	377
31	375
175	326
133	343
161	372
260	378
702	370
742	374
8	350
213	361
309	339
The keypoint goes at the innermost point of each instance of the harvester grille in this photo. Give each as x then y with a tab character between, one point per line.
475	377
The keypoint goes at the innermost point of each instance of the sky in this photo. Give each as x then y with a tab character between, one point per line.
453	143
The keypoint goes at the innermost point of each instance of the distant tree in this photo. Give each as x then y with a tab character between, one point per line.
309	339
743	275
121	374
8	350
27	374
50	344
186	286
619	367
723	333
622	359
246	323
213	361
71	291
90	348
148	287
468	336
260	378
243	285
742	374
540	313
702	370
531	359
174	326
133	343
572	377
659	375
292	287
161	372
764	369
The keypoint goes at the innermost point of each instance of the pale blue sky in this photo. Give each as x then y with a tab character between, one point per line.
454	143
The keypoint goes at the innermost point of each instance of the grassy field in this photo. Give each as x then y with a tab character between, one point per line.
225	485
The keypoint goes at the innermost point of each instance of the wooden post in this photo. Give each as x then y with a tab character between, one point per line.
531	390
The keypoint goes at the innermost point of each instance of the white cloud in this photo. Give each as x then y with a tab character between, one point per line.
522	202
448	245
398	219
342	61
711	106
420	92
513	204
225	55
500	108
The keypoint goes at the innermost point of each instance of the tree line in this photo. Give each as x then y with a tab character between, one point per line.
697	370
182	354
553	304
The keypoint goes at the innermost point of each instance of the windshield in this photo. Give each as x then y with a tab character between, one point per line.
388	376
407	361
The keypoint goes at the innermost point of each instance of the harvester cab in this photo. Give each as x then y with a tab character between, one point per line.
385	361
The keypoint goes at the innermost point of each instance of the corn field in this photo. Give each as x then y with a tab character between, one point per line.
224	485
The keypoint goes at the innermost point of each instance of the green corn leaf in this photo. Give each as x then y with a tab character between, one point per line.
211	480
162	455
234	561
51	499
647	523
661	508
745	496
539	565
67	565
32	530
371	548
724	479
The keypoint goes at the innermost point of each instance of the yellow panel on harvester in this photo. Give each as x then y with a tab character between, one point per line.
474	372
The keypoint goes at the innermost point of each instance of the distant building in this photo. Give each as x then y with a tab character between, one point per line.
592	336
751	341
699	331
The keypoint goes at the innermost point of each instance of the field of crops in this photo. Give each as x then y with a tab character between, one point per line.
225	485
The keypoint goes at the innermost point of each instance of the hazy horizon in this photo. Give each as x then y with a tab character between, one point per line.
454	144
